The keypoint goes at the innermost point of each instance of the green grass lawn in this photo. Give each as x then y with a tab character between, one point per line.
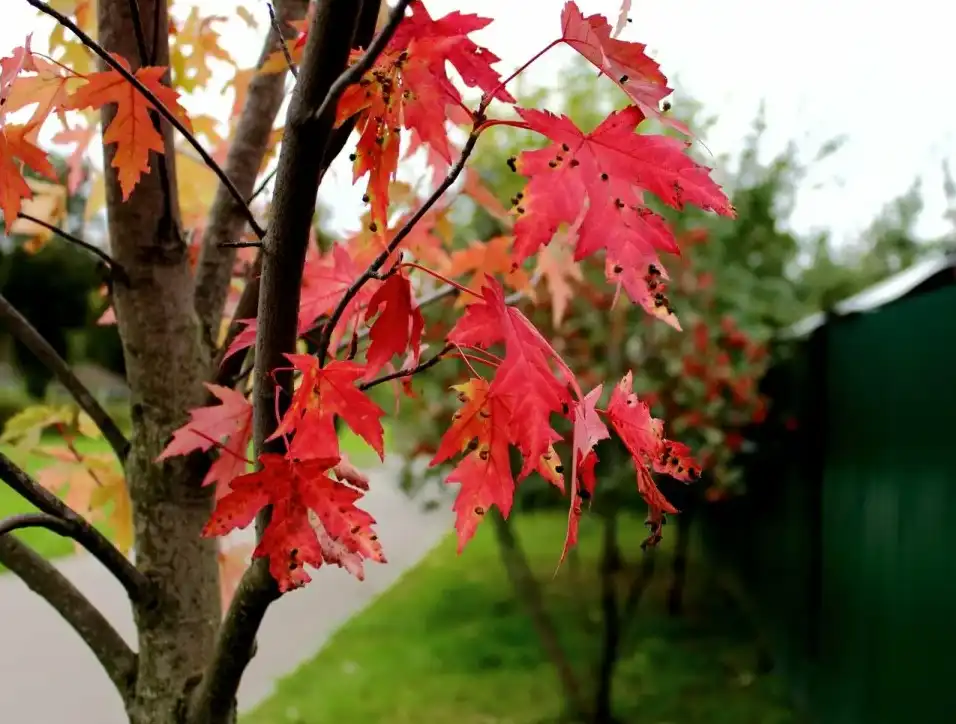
448	644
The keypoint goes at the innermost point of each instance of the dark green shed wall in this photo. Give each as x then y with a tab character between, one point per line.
848	540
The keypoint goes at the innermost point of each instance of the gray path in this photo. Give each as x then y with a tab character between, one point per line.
47	676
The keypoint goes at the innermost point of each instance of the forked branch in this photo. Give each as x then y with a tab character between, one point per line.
21	328
41	577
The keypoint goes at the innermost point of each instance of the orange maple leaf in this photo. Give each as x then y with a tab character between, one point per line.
15	147
131	129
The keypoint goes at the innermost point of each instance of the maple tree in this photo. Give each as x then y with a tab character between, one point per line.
245	330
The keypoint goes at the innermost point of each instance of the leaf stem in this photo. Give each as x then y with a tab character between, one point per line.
440	277
156	103
487	97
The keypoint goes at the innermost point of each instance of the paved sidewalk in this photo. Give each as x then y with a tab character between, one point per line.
48	676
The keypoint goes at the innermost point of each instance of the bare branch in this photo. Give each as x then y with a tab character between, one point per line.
355	72
21	328
77	528
406	229
156	103
409	371
97	633
282	42
116	269
246	152
35	520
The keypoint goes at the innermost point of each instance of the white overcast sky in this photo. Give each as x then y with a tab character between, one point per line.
877	71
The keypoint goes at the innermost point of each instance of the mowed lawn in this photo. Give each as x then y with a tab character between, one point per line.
449	644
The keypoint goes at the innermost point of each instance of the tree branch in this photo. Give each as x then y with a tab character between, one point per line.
246	152
35	520
279	34
77	528
335	25
21	328
116	269
97	633
156	103
399	237
409	371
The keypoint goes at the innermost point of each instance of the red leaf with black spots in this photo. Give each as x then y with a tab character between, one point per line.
314	519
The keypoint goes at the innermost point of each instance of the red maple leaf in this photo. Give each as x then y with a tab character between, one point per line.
524	381
314	518
323	393
588	431
227	426
480	430
409	87
397	328
643	436
625	63
595	182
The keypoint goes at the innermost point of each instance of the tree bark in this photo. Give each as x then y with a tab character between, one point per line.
528	591
250	140
165	363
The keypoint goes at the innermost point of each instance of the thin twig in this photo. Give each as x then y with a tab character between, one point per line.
119	273
409	371
285	46
239	244
42	577
265	182
21	329
77	528
406	229
157	104
355	71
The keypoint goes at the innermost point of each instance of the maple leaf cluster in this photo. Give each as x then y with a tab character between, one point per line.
585	198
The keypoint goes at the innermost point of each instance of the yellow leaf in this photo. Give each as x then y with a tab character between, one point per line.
112	488
197	186
25	428
247	16
74	54
96	201
48	204
192	48
86	426
208	126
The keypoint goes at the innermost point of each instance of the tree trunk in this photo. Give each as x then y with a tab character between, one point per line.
675	594
528	591
165	364
610	567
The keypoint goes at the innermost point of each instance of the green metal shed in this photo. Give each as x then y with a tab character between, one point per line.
846	541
